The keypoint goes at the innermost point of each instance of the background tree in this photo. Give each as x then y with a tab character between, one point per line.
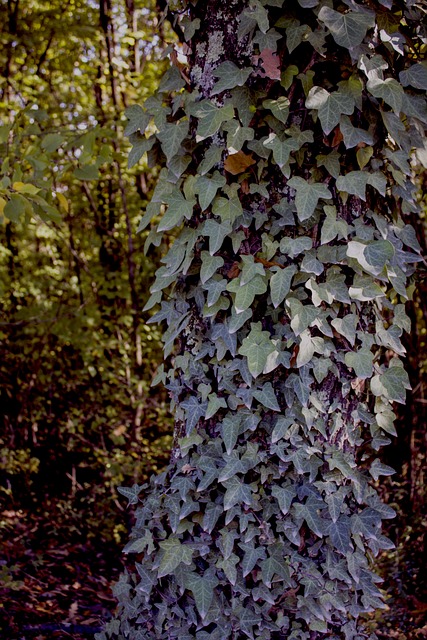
77	413
287	147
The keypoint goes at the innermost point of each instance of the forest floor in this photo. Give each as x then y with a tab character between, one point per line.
50	588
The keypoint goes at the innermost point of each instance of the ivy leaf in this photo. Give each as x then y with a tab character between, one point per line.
279	107
392	383
284	496
308	195
216	233
211	117
245	294
280	283
271	64
330	106
210	265
230	428
214	404
339	533
173	554
171	137
354	183
352	135
138	119
229	76
237	491
378	469
236	163
347	29
346	326
361	361
281	149
306	349
257	346
333	227
303	315
202	588
251	557
378	253
207	188
267	397
178	208
416	76
130	493
140	145
388	90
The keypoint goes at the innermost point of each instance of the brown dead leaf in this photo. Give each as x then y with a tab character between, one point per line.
234	271
238	163
271	64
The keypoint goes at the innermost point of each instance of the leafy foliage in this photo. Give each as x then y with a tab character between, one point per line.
78	414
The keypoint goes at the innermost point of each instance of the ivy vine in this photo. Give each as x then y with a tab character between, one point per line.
287	133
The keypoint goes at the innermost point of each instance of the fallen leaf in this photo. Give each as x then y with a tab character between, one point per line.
238	163
271	64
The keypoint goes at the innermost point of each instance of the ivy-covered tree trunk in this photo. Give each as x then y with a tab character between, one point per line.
286	143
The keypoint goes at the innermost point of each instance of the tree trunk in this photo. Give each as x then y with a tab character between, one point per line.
285	142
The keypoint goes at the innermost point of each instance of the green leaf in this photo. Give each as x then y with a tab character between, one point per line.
346	326
388	90
308	195
229	76
279	108
15	207
230	429
392	383
302	315
52	141
339	533
284	496
210	265
280	283
216	233
378	469
214	405
352	135
237	492
281	149
416	76
267	397
171	137
347	29
354	183
333	227
378	253
245	294
202	588
178	208
207	188
330	106
141	145
138	119
252	556
361	361
173	554
211	117
257	346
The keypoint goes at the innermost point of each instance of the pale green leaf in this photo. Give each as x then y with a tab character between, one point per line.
267	397
361	361
330	106
280	284
308	195
348	29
